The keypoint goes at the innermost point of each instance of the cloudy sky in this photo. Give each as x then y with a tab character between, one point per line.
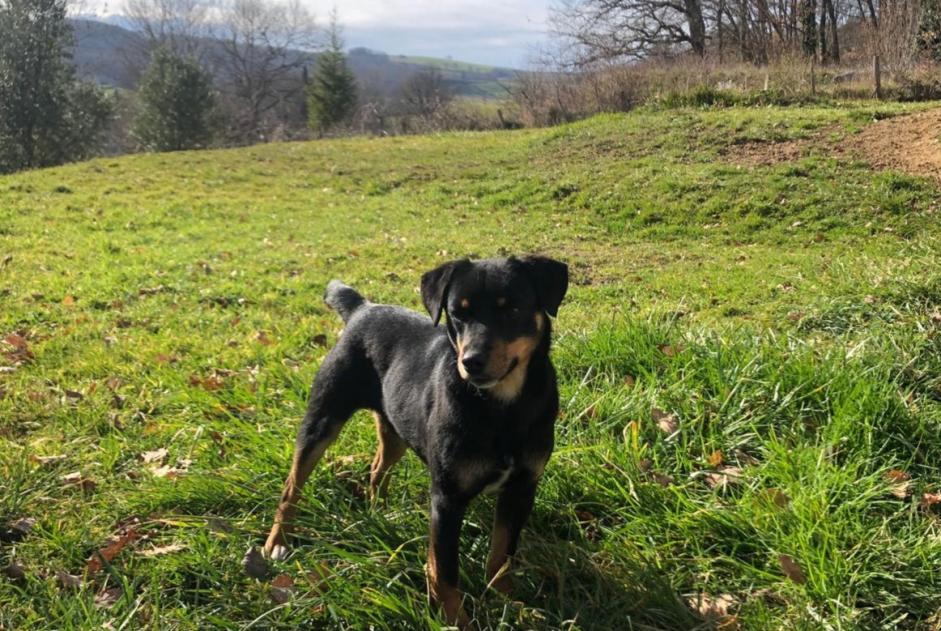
486	31
491	32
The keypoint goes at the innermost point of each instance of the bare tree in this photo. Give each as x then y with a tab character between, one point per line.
426	93
263	50
631	29
176	25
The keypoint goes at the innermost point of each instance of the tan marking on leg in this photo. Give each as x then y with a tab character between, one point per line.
390	450
445	595
277	542
498	562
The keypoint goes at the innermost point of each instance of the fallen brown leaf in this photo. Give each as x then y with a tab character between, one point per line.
158	455
262	338
44	460
15	572
108	598
777	497
930	499
282	589
791	569
23	525
712	608
68	581
110	551
662	479
670	350
161	550
254	564
899	482
318	576
17	341
665	421
77	479
68	301
167	471
715	458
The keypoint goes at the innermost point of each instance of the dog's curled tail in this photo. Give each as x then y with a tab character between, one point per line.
343	299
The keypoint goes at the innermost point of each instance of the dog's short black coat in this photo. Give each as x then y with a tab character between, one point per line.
476	400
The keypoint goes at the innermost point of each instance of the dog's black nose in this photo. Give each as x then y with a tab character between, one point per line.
473	362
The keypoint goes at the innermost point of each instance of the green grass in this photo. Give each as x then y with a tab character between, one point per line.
782	320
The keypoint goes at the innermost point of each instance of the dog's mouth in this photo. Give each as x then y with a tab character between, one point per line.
484	385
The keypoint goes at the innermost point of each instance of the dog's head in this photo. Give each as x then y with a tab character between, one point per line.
496	312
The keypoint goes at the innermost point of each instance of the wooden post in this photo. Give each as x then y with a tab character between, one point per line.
877	76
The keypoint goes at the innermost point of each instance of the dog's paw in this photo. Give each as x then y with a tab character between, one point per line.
277	552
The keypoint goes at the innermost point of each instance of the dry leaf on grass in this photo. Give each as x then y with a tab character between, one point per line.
158	455
712	608
23	525
776	497
110	551
282	589
161	550
48	459
723	477
318	576
899	483
791	569
14	572
168	472
665	421
68	581
254	564
262	338
108	597
715	459
662	479
210	383
78	480
19	352
670	350
930	499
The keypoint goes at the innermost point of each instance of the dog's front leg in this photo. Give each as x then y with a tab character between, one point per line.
514	505
447	516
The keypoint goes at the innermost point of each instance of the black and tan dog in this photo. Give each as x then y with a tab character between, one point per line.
477	401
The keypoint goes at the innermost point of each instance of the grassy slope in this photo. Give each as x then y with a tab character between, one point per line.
794	303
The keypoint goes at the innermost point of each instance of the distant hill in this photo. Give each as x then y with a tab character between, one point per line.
103	50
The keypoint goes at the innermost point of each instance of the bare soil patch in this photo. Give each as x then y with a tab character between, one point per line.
911	144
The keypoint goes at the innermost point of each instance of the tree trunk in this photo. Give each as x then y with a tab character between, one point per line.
822	32
834	31
697	26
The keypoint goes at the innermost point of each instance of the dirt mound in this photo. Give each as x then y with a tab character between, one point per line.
911	144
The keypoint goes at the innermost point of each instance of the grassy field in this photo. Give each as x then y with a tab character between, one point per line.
750	367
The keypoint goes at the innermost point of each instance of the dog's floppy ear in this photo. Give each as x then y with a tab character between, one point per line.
434	287
550	279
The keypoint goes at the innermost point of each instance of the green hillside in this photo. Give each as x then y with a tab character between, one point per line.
749	356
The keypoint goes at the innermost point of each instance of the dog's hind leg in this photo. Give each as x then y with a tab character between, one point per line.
389	451
329	408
